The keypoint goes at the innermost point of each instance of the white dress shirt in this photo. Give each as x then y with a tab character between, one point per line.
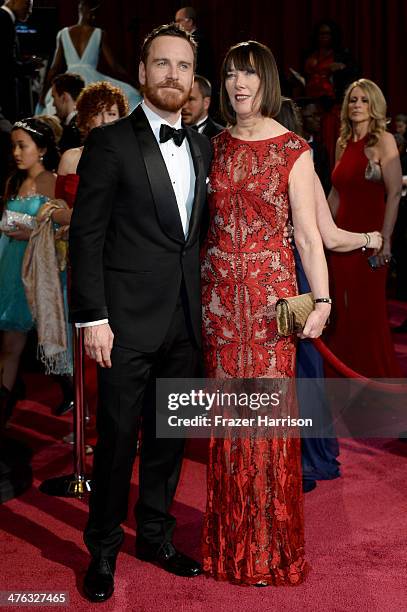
178	161
69	117
201	124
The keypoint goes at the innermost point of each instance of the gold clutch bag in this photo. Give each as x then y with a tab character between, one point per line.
293	312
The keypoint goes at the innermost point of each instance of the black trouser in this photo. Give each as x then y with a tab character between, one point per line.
126	390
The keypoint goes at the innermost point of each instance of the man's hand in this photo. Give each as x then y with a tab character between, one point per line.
98	341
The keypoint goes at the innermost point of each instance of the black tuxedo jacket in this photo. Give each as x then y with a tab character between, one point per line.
212	128
322	165
9	66
71	136
127	247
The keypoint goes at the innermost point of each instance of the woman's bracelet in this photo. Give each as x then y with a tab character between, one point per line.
323	300
366	245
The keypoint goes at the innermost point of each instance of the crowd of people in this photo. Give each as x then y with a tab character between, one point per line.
175	236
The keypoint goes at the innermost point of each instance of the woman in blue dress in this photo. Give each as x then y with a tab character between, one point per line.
82	49
319	455
28	188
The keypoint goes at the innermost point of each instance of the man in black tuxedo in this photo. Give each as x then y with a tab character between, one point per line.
134	247
311	126
65	91
196	109
11	66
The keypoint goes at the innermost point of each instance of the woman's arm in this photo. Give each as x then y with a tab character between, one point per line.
308	240
333	197
391	169
58	66
334	238
67	165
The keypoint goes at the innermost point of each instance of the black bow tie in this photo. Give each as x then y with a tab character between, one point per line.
167	132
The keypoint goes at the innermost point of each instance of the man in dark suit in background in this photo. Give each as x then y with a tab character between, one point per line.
65	91
311	127
196	109
186	18
134	250
11	66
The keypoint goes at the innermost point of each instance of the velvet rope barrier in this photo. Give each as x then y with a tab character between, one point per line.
346	371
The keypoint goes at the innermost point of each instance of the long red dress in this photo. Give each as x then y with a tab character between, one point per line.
65	189
359	333
253	526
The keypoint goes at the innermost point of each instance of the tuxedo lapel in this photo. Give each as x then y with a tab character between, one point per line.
200	184
160	182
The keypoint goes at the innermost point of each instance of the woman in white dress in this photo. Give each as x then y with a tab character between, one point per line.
82	49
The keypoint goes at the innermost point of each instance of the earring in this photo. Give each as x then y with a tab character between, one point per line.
41	158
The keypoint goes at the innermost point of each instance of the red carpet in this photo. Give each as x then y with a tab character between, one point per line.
356	531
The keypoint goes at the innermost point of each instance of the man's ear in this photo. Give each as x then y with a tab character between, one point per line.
66	97
142	73
206	103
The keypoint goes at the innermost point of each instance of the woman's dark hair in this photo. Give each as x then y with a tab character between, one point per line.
335	33
252	55
43	136
290	116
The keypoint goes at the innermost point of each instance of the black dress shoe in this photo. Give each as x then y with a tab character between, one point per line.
169	558
99	582
64	407
308	485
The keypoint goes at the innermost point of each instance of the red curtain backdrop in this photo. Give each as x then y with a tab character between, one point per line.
374	31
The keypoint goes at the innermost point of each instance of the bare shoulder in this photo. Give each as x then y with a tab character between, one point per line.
45	183
69	161
386	143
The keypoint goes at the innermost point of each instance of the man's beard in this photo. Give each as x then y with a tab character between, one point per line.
170	101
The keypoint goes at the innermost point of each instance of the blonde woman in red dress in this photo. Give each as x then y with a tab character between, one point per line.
365	195
261	174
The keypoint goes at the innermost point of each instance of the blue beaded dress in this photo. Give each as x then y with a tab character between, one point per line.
15	314
14	311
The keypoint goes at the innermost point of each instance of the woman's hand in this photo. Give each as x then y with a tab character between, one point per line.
288	232
384	256
376	241
316	321
22	232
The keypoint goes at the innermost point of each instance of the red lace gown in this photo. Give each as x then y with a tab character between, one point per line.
65	189
253	526
359	333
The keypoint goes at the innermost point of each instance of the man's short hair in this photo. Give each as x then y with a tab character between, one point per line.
204	85
170	29
190	13
70	83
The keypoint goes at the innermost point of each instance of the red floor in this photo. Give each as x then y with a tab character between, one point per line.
356	531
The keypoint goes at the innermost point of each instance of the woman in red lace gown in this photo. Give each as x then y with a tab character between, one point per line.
261	173
97	104
362	199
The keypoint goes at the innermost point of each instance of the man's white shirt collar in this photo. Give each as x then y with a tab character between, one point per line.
70	116
155	120
10	12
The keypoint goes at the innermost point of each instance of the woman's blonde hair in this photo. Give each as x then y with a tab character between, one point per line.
377	112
